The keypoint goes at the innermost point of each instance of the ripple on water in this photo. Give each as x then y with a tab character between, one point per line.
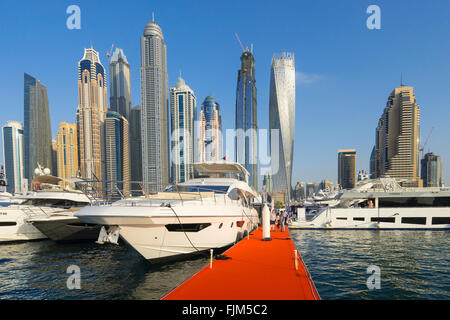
413	264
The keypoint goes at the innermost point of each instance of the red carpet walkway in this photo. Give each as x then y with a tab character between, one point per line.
257	270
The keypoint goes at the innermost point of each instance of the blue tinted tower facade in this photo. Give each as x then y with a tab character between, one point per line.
37	132
13	157
246	118
210	136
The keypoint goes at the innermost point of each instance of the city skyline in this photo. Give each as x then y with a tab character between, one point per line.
312	81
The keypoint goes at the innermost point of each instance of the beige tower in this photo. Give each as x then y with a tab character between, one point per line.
92	107
397	138
67	151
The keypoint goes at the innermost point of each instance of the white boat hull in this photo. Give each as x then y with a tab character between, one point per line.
382	218
13	226
147	229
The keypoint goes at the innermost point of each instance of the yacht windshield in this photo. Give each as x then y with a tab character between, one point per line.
54	203
201	188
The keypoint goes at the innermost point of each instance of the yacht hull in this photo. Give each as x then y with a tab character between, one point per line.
13	226
66	229
378	218
165	235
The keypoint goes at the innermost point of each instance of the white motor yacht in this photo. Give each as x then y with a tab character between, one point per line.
383	204
211	211
20	222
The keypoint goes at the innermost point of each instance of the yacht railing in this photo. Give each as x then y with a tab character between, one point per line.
113	193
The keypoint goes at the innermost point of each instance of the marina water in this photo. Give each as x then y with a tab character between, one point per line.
413	265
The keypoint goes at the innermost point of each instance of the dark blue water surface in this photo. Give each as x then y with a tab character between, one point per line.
413	265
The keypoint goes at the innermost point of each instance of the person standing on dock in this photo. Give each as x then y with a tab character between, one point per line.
283	217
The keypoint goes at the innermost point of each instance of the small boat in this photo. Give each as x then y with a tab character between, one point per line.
212	211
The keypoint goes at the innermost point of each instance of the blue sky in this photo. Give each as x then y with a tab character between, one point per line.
345	71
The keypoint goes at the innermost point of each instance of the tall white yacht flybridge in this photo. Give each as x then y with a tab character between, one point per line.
383	204
211	211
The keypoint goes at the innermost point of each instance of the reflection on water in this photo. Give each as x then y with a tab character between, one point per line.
37	270
414	264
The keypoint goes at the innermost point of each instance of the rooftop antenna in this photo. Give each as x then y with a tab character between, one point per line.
401	79
153	17
180	72
251	48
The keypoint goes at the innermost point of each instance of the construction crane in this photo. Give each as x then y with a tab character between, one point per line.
239	40
421	149
108	54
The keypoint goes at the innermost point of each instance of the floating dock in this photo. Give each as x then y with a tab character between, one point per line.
257	270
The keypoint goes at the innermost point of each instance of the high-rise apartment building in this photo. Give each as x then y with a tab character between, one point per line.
13	157
54	159
397	138
92	108
120	84
431	171
67	151
246	118
282	118
37	134
154	112
210	136
135	148
347	168
183	111
117	154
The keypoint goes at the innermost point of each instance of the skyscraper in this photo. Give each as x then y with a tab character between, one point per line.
154	104
117	154
397	138
120	84
282	118
54	159
246	118
135	148
183	111
67	151
431	171
92	107
13	157
372	163
37	134
347	168
210	136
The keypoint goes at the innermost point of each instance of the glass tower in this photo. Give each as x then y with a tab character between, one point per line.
210	137
183	110
154	112
117	154
120	84
13	157
37	132
246	118
282	118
